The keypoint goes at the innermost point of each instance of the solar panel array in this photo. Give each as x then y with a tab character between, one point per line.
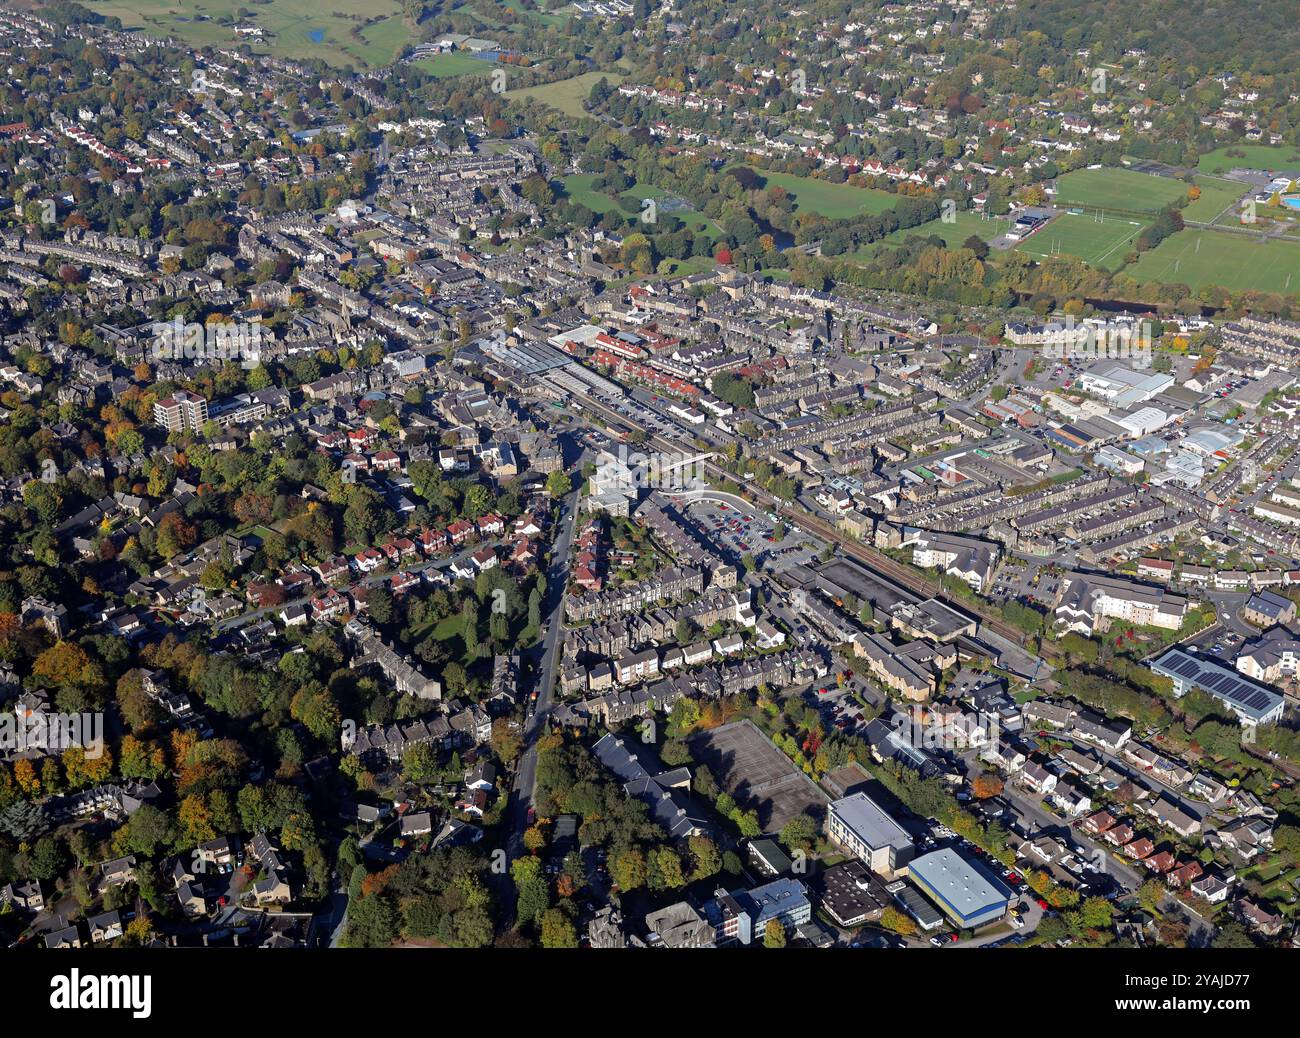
1222	683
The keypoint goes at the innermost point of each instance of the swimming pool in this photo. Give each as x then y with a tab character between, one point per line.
1292	201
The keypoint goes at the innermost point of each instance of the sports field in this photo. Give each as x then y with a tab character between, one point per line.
1256	156
1113	188
293	28
1099	239
1217	196
454	63
1233	261
833	201
566	95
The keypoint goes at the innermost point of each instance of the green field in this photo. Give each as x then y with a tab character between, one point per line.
1257	156
1236	262
289	26
384	40
1112	188
1099	244
456	63
578	186
696	221
953	234
1216	197
833	201
567	95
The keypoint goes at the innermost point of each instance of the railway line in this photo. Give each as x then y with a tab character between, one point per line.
880	564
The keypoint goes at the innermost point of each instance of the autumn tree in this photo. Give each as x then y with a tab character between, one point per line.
774	934
557	930
895	921
986	785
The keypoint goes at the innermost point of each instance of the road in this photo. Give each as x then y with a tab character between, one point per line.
1029	807
525	784
1029	912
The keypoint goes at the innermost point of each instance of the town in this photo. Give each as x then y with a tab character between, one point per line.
455	494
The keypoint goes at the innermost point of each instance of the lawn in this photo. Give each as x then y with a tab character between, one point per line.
833	201
455	63
566	95
686	267
578	186
1113	188
1233	261
444	630
1216	196
1099	240
1257	156
294	28
384	40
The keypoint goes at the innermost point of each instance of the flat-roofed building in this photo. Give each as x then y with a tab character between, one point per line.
859	825
1253	704
964	892
851	895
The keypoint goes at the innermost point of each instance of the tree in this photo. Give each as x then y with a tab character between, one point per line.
986	785
894	920
799	832
557	930
420	764
748	825
148	830
705	860
1096	913
534	894
534	839
1232	934
505	742
66	664
665	869
628	869
977	245
774	934
372	922
1150	894
48	858
196	820
558	484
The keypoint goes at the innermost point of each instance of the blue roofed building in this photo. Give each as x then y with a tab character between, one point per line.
743	915
964	891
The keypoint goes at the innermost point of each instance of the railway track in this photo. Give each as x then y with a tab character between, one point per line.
880	564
